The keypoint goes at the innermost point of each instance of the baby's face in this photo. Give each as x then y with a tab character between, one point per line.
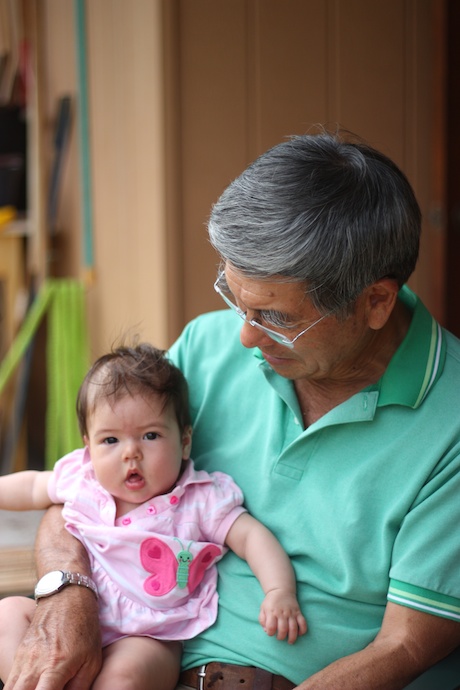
136	448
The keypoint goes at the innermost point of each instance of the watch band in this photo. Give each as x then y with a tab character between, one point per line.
54	581
82	580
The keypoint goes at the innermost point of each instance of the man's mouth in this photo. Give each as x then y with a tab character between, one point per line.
271	358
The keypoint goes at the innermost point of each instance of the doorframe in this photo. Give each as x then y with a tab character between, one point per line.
452	187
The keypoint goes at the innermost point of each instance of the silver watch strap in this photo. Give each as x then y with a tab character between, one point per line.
82	580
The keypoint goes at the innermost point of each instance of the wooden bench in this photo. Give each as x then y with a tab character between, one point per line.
17	537
17	571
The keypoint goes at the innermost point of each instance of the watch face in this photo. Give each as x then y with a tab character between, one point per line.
50	583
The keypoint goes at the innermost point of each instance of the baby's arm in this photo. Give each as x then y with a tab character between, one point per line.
26	490
280	612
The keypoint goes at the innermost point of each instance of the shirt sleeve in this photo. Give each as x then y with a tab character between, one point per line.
66	476
426	554
224	504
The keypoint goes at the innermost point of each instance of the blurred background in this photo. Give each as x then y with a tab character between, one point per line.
122	121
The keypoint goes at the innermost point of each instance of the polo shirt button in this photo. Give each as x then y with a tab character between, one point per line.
296	421
151	510
174	500
126	521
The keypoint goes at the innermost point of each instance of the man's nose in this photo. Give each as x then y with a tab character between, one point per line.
251	336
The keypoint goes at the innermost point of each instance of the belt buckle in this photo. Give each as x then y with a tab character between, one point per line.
201	675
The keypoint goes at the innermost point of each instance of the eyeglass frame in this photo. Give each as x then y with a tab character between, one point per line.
274	335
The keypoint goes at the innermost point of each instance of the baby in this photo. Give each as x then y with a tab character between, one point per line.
153	525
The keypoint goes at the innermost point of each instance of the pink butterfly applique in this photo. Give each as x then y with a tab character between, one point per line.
168	570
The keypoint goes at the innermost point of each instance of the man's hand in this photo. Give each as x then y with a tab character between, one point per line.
62	647
280	613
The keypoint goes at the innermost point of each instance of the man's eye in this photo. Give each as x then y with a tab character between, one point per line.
151	435
109	440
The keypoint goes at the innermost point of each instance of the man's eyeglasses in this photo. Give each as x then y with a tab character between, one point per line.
274	335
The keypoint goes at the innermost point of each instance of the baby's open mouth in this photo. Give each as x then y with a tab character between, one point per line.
134	478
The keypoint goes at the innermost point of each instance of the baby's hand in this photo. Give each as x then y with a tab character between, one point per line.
280	613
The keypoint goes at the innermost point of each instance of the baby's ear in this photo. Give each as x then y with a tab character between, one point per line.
186	442
86	440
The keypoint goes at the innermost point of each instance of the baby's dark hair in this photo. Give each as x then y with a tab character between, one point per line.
138	370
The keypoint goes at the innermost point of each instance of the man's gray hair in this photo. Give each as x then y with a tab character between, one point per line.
335	214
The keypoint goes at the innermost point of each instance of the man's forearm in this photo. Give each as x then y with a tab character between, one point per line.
62	645
374	667
56	548
409	643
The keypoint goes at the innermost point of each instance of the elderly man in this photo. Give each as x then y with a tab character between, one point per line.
330	394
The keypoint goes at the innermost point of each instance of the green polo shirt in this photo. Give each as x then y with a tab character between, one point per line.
365	501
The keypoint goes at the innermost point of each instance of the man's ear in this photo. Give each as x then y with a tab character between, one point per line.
186	442
381	298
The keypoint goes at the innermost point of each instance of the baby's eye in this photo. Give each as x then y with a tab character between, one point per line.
109	440
151	435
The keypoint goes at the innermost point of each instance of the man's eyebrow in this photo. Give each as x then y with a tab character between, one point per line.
274	313
280	316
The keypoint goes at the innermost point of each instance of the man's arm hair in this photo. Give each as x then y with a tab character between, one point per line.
56	548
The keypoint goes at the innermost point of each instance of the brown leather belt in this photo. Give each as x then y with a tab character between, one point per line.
217	676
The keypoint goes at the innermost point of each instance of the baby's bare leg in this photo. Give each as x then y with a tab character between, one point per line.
139	663
15	616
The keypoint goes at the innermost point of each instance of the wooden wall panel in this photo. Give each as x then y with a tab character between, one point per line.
213	134
384	91
126	126
255	71
368	76
185	93
59	80
127	147
290	65
425	132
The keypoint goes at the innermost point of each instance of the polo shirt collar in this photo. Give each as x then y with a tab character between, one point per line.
417	363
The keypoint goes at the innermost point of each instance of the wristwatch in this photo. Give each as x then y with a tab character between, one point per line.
53	582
